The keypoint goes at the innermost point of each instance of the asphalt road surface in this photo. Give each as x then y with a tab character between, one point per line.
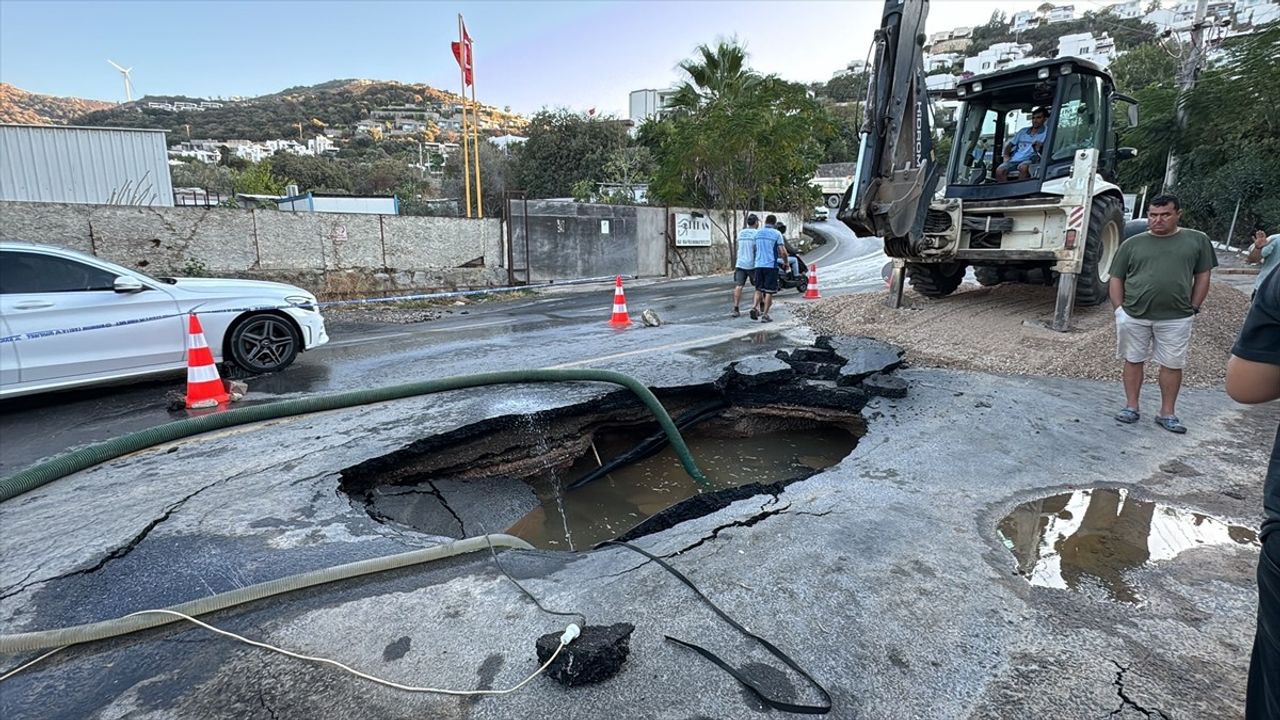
566	327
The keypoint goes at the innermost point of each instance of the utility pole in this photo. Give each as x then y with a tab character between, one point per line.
1187	75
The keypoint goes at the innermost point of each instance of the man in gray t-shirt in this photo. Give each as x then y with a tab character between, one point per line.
743	268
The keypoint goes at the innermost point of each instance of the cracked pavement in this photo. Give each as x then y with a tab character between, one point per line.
883	575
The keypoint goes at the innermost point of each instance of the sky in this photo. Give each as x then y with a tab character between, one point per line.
529	55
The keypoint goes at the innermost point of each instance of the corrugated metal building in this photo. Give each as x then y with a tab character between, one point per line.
63	163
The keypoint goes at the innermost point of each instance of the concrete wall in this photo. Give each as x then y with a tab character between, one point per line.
325	252
566	241
720	256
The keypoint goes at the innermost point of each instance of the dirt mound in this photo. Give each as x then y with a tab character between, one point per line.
1003	329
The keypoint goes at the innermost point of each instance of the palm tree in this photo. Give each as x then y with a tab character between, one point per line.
719	73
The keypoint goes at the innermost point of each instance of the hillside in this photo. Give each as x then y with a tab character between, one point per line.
337	103
19	106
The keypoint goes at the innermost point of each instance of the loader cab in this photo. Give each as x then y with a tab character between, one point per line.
1079	98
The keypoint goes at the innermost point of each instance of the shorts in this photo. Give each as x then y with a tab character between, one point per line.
1011	165
742	275
1166	341
766	280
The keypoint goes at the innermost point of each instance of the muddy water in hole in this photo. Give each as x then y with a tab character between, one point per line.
1096	538
614	504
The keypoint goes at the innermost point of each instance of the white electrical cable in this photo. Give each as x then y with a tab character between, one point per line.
571	632
24	666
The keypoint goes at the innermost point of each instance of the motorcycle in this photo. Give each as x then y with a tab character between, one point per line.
799	280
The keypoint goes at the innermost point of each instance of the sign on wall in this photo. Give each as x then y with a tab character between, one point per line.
692	231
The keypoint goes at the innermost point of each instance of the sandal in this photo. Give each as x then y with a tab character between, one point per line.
736	312
1172	424
755	314
1129	415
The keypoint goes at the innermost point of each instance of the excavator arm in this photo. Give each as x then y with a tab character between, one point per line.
896	175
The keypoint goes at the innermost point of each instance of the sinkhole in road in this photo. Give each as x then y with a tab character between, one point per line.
1094	539
572	476
517	473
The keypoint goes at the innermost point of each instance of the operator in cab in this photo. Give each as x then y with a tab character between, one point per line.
1025	147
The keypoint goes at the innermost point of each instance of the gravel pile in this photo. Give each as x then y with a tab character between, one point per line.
1004	329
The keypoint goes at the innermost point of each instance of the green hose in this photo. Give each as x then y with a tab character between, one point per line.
90	632
63	465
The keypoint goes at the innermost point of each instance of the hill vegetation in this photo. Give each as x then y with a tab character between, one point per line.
337	103
28	108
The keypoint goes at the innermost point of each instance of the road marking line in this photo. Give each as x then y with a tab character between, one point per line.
361	341
675	346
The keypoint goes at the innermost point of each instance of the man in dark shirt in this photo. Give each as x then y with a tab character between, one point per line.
1253	376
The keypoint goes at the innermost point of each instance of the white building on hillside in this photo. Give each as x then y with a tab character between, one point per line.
1127	10
1100	50
319	145
1257	12
941	61
1024	21
997	57
1062	13
939	83
506	141
253	153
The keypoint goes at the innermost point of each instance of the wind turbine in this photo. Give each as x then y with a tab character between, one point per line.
128	84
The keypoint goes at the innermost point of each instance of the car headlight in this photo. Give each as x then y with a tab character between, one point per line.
302	302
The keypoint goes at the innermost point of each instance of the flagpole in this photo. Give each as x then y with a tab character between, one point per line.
475	127
462	70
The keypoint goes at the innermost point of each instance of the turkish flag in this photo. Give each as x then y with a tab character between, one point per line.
462	52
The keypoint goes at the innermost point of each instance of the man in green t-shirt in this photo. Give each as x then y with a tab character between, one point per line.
1159	278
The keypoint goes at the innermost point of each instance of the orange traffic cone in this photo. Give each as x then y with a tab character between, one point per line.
620	317
204	386
812	292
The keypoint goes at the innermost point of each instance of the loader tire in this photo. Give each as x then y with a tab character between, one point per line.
1106	233
935	280
988	275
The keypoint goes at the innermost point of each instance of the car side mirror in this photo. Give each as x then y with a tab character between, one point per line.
1126	153
126	284
1133	115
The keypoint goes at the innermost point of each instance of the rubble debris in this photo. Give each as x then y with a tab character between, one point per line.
596	655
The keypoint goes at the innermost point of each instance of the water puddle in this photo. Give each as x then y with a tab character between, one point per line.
1095	538
608	507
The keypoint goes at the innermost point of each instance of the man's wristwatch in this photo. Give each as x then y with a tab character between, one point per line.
1195	309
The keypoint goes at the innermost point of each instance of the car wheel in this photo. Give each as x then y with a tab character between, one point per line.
264	343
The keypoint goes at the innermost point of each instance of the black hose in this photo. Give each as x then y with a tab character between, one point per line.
652	444
63	465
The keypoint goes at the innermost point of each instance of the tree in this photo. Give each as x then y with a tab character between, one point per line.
214	178
848	87
628	167
719	73
495	177
563	148
737	138
312	173
227	158
1142	67
258	179
381	177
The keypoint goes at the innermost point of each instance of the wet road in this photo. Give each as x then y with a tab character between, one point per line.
566	328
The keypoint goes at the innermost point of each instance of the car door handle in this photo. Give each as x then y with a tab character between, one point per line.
32	305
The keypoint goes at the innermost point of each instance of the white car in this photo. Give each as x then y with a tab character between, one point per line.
820	213
53	299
